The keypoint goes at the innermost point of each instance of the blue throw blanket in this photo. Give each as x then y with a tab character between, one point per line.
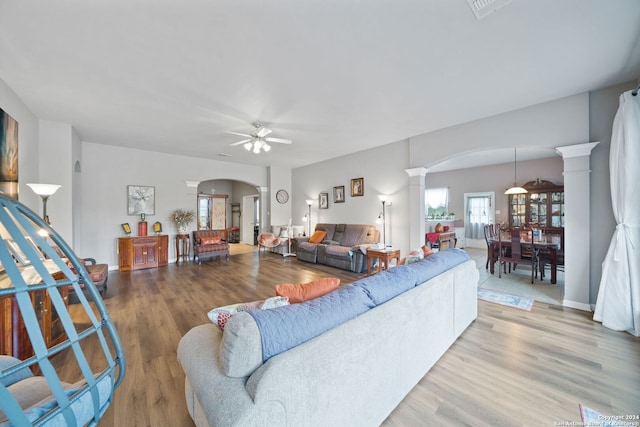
286	327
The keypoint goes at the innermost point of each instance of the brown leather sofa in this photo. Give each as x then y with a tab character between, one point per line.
343	247
210	244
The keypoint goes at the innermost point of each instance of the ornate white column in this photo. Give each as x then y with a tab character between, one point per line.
577	192
416	206
264	209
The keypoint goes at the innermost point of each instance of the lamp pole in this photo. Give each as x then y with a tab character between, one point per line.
383	199
309	202
44	191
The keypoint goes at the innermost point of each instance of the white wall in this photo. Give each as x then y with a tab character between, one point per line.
279	214
561	122
106	172
383	171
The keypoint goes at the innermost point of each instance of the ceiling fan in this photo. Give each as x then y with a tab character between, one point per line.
258	140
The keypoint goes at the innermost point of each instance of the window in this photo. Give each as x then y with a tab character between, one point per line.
436	203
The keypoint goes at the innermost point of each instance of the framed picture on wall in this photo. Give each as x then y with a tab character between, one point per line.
323	201
338	194
141	199
357	187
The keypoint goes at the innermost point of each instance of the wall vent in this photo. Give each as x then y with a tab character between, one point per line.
482	8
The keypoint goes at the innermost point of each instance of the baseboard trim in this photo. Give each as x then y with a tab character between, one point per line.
576	305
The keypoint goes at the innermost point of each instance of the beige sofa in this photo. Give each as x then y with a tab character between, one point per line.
353	374
344	246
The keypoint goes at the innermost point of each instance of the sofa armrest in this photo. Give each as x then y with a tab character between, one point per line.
7	362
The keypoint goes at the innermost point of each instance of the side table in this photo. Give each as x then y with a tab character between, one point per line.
384	257
183	247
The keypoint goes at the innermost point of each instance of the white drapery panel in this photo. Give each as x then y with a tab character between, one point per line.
477	216
618	304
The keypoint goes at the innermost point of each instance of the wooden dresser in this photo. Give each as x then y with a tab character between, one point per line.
136	253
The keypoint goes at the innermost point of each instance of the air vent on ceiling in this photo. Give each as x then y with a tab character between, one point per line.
482	8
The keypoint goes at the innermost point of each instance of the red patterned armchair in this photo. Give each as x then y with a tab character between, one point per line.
210	244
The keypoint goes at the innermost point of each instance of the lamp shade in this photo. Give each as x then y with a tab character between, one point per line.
515	190
44	189
309	202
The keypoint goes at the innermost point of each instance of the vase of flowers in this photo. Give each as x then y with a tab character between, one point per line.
182	218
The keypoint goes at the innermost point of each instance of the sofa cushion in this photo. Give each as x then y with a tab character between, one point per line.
221	315
354	234
241	349
309	247
317	236
306	291
286	327
388	284
337	250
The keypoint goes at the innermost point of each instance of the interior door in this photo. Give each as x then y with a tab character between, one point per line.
248	219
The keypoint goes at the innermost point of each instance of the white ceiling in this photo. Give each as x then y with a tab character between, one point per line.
336	77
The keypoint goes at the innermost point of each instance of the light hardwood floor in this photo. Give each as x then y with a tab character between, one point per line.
510	368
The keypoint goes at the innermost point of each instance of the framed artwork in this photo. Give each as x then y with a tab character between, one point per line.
338	194
126	228
141	199
357	187
323	201
8	155
157	227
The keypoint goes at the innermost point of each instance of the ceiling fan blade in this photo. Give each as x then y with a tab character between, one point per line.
241	142
239	134
279	140
262	132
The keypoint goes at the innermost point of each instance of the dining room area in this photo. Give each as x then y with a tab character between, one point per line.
522	261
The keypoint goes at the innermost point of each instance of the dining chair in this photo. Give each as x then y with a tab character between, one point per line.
490	233
515	256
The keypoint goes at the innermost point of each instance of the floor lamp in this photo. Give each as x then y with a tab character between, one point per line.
307	216
44	191
383	218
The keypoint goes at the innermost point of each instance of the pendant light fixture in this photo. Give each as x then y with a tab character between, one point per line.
515	189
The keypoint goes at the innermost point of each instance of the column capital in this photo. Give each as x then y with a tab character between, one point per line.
578	150
416	171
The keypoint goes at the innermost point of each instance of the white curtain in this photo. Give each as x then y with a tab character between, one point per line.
477	216
618	304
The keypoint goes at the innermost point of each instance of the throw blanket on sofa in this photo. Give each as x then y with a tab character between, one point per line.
286	327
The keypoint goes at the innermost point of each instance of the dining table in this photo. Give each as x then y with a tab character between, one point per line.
550	243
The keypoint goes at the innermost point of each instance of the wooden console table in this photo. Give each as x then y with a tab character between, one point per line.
442	241
135	253
384	257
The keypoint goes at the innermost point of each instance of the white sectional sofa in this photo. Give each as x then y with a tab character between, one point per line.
354	373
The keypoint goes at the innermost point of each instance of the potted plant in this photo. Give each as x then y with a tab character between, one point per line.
182	218
452	215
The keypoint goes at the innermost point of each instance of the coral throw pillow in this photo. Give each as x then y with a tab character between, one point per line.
427	251
318	236
306	291
210	240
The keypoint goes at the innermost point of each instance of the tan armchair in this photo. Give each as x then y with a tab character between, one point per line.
268	240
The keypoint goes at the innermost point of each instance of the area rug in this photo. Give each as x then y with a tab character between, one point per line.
592	418
514	301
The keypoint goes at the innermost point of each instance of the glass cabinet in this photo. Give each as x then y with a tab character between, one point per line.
541	207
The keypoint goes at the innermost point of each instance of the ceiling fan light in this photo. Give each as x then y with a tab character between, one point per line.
248	146
266	147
